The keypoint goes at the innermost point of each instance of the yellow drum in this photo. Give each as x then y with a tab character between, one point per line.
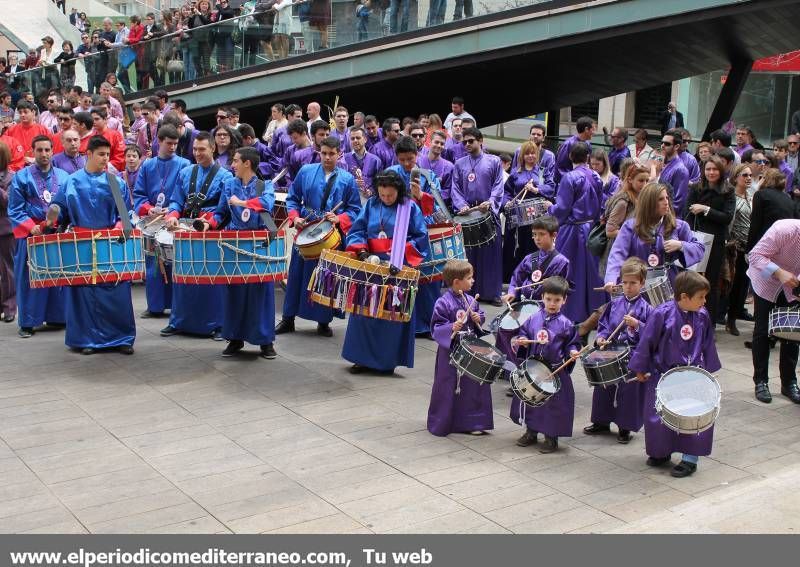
316	237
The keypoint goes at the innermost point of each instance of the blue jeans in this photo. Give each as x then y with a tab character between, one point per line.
465	6
396	4
690	458
189	72
436	12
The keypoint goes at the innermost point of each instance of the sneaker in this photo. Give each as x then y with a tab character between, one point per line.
323	329
232	348
151	315
623	437
550	445
25	332
268	352
657	461
168	331
357	369
528	438
88	350
285	326
126	349
217	335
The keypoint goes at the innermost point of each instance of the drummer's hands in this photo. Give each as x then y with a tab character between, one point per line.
331	217
237	202
458	325
299	223
671	246
531	188
574	354
154	211
507	298
631	322
609	287
522	341
416	190
641	377
463	210
786	278
601	342
476	318
206	224
172	223
36	230
484	207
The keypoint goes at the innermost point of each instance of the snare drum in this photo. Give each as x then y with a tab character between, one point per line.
658	290
523	213
229	257
477	359
511	319
316	237
688	399
479	228
87	257
784	323
446	243
533	383
149	227
340	281
606	367
164	240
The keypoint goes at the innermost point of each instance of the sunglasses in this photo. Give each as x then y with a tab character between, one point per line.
469	141
761	161
223	117
417	135
667	144
746	174
793	143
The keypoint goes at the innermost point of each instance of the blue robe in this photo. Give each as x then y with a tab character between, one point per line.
29	195
197	309
376	343
98	316
676	176
469	409
555	417
661	347
563	163
577	208
248	309
622	403
486	172
155	183
304	195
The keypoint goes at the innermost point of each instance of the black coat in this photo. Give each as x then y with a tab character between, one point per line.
722	203
769	205
664	121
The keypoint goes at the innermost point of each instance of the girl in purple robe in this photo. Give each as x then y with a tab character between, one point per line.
458	405
655	236
599	163
678	333
622	403
550	337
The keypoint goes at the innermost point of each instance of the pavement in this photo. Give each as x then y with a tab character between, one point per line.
177	439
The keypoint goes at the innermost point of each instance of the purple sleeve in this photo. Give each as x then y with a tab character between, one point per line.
520	273
442	322
565	198
693	250
605	326
459	202
642	359
620	251
710	356
497	187
680	187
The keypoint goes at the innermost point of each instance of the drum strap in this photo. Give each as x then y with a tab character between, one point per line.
196	199
437	195
122	210
328	187
266	217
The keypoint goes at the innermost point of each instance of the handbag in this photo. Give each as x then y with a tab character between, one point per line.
708	241
175	66
127	56
598	240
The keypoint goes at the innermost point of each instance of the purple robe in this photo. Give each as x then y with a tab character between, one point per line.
563	163
616	157
69	164
741	150
622	403
476	180
373	141
297	159
555	417
471	408
628	244
786	170
344	139
280	142
577	208
443	170
676	176
690	162
547	162
384	152
453	150
370	166
662	347
518	241
609	189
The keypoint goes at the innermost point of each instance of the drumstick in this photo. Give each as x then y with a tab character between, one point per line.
466	315
615	331
567	363
616	287
534	284
155	218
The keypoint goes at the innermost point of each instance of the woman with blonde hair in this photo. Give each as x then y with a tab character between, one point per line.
598	161
435	124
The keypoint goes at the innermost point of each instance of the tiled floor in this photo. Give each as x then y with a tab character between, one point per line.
177	439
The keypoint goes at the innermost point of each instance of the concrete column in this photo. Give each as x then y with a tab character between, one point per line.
618	110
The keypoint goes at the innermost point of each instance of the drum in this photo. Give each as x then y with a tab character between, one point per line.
513	318
316	237
606	367
784	323
688	399
446	242
658	290
229	257
84	258
477	359
523	213
279	210
478	227
164	239
149	227
533	384
340	281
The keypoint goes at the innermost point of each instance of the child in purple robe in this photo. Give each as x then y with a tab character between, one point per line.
678	333
622	403
458	405
550	337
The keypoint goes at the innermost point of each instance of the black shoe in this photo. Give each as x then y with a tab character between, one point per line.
682	469
217	335
657	461
9	318
772	342
88	351
425	336
232	348
731	328
268	352
550	445
357	369
126	349
285	326
323	329
497	302
25	332
596	428
792	392
168	331
151	315
528	438
623	437
762	393
745	316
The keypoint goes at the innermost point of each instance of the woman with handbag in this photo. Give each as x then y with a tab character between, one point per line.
711	205
739	229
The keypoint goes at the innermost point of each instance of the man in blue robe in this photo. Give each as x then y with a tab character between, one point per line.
157	179
317	189
30	194
98	316
197	308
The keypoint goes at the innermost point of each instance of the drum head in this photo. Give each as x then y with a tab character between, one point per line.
152	229
688	392
520	312
597	357
470	217
165	237
314	233
539	374
483	350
